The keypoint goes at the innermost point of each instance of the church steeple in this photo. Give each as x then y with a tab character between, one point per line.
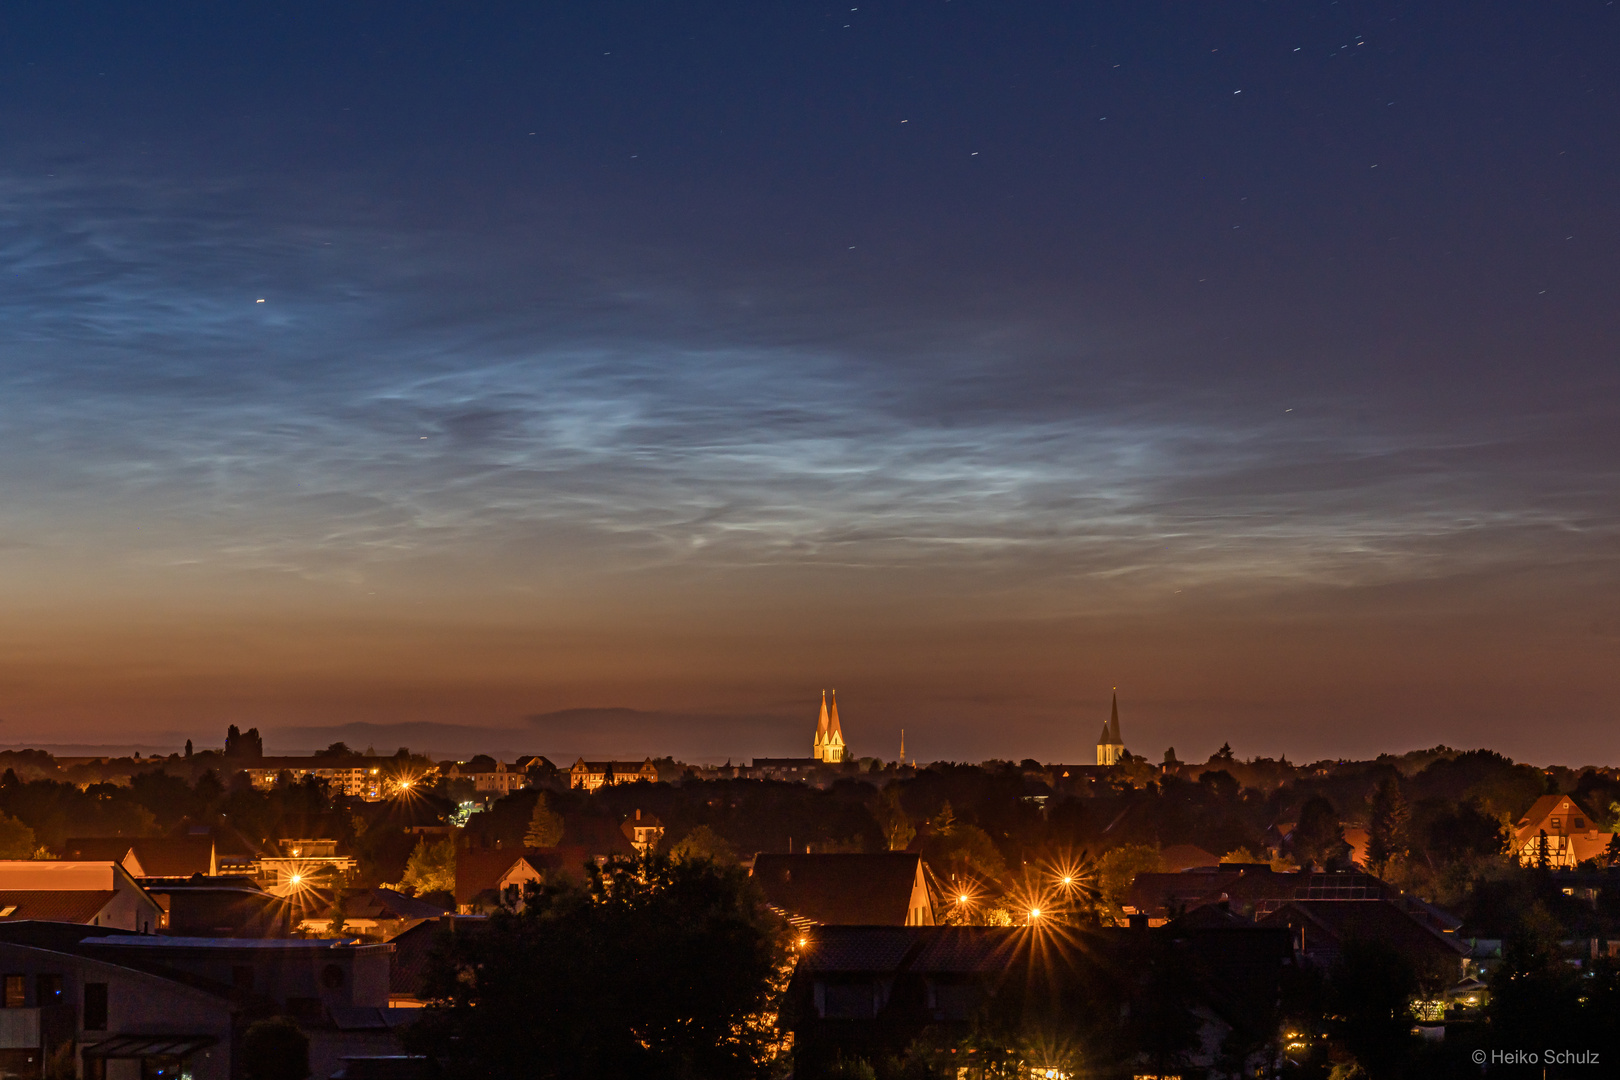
829	742
822	727
1110	746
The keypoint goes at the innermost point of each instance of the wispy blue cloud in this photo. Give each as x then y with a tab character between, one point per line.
392	397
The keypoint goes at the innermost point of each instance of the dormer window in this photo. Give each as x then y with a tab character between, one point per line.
1578	823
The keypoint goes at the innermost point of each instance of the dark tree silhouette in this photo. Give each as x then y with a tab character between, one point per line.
658	968
1318	837
275	1049
1386	826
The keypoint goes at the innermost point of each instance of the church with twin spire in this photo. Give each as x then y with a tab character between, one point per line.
829	741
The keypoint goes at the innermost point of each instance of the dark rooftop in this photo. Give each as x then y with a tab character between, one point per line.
840	889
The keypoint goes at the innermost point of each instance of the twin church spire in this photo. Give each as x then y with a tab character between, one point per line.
1110	746
829	741
829	744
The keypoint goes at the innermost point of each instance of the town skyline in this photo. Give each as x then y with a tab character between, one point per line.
624	734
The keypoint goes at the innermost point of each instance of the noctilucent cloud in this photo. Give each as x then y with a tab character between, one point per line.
447	374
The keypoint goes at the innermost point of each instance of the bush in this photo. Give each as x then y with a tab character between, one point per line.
275	1049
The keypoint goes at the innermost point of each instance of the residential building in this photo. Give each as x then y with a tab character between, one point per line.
1319	929
223	906
595	837
591	775
490	778
105	1004
102	1019
1179	857
336	990
790	769
482	877
374	914
100	893
143	857
872	991
303	864
885	889
356	776
1250	889
1572	835
413	950
643	831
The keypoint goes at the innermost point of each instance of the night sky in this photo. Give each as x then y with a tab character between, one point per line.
414	365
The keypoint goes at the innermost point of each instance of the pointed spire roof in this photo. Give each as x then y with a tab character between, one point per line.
822	723
834	732
1110	730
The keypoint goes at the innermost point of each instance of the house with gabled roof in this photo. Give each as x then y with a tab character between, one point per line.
100	893
847	889
875	991
1320	930
1572	836
148	856
482	877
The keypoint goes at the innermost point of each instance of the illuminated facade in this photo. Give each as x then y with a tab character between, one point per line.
1110	747
828	745
359	777
1572	836
591	775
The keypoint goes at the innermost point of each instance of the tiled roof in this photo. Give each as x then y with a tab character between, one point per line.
620	768
54	905
1372	920
842	889
599	836
1178	857
97	848
969	950
166	856
388	904
858	948
480	871
1249	886
928	950
414	946
1534	818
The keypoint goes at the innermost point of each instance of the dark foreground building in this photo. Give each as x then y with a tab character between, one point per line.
1148	1001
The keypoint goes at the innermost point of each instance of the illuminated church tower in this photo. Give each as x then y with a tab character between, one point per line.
1110	747
829	744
